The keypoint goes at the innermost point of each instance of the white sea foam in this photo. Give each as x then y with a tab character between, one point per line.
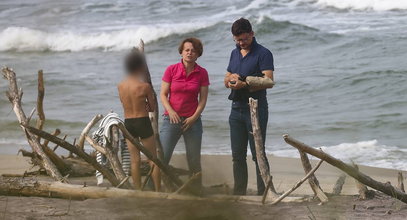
26	39
369	153
376	5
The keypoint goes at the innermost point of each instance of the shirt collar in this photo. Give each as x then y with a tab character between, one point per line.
252	46
196	67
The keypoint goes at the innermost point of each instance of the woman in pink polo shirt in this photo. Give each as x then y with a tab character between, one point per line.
184	91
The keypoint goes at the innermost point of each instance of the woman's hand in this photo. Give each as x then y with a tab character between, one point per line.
174	117
188	122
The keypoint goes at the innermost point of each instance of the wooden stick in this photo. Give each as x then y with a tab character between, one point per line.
312	180
15	94
351	171
56	133
297	184
86	130
338	185
400	181
164	168
258	140
123	181
362	189
73	149
32	187
188	182
147	177
40	100
111	155
95	145
263	200
56	146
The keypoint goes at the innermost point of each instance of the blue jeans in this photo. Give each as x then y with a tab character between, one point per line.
240	134
171	133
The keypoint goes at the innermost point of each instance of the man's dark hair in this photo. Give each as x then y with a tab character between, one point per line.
134	61
241	26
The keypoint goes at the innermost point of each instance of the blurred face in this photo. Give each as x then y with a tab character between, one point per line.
189	54
244	40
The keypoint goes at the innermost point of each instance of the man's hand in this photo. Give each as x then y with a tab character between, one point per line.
230	77
174	117
187	123
238	85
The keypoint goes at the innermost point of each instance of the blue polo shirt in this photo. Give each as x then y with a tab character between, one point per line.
257	60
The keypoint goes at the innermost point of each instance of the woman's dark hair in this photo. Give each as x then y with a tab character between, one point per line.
241	26
196	43
134	61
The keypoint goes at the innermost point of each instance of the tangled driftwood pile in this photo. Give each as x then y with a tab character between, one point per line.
81	163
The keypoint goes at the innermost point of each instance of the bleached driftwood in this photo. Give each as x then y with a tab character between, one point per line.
312	180
351	171
260	155
40	100
400	181
311	172
86	130
364	192
17	186
188	182
14	95
82	154
338	185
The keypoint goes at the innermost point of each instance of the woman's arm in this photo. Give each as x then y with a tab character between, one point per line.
203	97
165	90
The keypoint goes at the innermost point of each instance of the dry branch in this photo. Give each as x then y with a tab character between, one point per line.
86	130
338	185
73	149
15	94
364	193
40	100
260	155
31	187
311	172
164	168
312	180
400	181
188	182
351	171
95	145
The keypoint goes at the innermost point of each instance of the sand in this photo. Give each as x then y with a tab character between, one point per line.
217	169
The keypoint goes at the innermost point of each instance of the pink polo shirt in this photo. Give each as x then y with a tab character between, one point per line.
184	90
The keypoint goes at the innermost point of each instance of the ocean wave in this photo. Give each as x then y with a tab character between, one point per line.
376	5
27	39
370	153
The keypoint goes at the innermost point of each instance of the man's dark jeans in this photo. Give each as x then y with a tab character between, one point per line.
240	134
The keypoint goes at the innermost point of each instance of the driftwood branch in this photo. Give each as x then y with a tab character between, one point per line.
188	182
15	95
73	149
40	100
311	172
338	185
364	192
259	144
31	187
351	171
312	180
86	130
95	146
400	180
164	168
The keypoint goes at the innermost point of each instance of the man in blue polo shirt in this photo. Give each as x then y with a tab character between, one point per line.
248	59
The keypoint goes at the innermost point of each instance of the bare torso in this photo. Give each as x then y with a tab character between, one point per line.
133	95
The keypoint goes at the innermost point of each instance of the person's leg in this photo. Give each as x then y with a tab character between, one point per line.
238	138
135	164
169	136
193	142
263	119
149	143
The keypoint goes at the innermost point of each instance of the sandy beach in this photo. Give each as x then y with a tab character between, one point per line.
217	169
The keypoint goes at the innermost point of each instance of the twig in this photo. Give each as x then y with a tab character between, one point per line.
95	145
86	130
297	184
187	183
338	185
147	177
123	181
263	200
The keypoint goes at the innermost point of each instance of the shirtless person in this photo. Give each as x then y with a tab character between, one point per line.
137	99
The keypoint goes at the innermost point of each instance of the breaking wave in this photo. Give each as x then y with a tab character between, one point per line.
376	5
